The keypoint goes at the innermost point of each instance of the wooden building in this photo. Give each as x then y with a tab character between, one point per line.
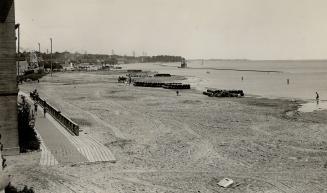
8	79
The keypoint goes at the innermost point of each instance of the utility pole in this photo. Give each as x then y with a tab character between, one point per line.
51	55
39	48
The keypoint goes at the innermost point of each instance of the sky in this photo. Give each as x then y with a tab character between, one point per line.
195	29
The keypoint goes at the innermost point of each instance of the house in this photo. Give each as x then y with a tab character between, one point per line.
121	61
68	67
22	67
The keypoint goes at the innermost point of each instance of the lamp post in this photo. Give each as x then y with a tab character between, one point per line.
51	55
17	26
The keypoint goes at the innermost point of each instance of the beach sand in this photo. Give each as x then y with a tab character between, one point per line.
168	143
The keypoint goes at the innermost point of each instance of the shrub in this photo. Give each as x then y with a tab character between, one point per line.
28	139
32	76
12	189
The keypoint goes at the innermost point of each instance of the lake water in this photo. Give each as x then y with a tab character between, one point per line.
262	78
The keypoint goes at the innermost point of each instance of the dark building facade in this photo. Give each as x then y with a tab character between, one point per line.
8	82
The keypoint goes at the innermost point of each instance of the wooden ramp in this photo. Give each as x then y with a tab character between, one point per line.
59	146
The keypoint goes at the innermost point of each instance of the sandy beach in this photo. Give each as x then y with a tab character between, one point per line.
187	143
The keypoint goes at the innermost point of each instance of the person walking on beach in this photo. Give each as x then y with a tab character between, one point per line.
317	96
44	111
33	114
129	79
35	108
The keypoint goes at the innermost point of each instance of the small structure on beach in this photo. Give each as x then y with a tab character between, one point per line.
162	84
226	182
224	93
122	79
183	63
176	86
162	75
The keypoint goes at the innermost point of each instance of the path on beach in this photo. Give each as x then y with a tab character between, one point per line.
59	146
56	143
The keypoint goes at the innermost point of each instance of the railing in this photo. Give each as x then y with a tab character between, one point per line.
70	125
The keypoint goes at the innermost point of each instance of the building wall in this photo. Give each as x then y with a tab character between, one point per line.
8	84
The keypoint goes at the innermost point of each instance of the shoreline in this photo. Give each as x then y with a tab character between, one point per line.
310	105
224	69
193	79
256	83
306	105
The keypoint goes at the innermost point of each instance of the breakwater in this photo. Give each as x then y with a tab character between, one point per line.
224	93
162	84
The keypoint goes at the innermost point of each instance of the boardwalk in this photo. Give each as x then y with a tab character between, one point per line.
47	159
90	148
61	147
57	143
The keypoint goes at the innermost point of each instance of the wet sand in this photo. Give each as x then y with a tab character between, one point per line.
168	143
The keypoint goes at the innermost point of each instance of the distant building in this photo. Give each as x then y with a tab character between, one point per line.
93	67
87	67
82	66
68	67
33	61
121	61
23	67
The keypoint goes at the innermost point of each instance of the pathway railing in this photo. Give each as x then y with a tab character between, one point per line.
70	125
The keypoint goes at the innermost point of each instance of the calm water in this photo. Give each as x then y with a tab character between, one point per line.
305	77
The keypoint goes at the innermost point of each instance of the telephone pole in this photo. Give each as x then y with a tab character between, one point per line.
51	56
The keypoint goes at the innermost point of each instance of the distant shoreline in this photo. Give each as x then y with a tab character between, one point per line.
261	60
233	69
225	69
